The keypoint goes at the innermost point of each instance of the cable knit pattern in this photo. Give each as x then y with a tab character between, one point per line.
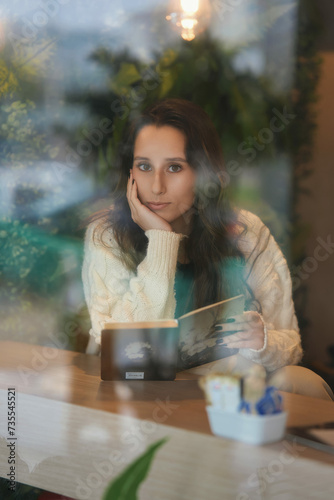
115	294
268	276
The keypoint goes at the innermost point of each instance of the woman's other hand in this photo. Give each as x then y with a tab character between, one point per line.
245	330
142	215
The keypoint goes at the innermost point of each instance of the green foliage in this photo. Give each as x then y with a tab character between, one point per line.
28	255
125	486
23	62
27	261
31	254
126	76
240	104
32	258
21	144
8	79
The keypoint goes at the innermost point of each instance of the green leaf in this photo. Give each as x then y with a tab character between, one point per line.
168	58
18	105
125	486
167	83
127	75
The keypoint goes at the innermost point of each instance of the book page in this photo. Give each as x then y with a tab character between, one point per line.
199	343
127	325
225	306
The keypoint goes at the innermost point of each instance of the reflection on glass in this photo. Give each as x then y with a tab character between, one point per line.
190	17
72	73
72	76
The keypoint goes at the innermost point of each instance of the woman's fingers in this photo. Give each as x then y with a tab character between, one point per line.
240	322
135	205
142	215
134	202
132	196
243	344
245	331
129	191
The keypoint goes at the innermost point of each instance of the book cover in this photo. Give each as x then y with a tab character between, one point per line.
180	344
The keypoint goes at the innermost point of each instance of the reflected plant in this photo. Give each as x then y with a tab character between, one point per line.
24	63
202	72
23	60
21	147
239	102
126	485
21	144
30	255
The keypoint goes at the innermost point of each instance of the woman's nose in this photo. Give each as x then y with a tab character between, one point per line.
158	186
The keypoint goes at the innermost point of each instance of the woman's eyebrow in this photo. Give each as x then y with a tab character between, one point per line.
166	159
176	159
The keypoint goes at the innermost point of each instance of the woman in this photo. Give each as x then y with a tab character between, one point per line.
171	243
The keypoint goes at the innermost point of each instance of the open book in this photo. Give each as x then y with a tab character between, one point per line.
180	344
198	341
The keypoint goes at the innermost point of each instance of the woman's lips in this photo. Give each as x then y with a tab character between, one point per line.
157	206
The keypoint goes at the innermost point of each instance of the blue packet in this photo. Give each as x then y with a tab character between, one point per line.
271	403
245	406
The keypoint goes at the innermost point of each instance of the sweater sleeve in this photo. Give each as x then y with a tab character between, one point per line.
113	293
268	276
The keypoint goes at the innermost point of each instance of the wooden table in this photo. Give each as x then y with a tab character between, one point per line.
76	432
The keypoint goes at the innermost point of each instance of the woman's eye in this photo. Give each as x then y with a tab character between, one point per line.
144	167
175	168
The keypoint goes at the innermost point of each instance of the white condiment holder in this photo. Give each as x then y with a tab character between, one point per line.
246	427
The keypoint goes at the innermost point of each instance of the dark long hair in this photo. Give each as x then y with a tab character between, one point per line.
212	244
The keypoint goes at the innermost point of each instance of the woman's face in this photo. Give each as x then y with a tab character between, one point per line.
165	180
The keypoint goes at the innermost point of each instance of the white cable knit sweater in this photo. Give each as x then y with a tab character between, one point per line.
115	294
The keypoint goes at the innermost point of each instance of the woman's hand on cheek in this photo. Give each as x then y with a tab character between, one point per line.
142	215
243	331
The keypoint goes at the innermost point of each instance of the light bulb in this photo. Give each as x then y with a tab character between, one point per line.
190	17
188	24
190	5
188	35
